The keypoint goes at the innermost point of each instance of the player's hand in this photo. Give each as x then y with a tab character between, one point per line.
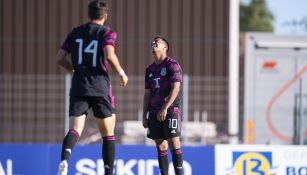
162	115
123	80
145	123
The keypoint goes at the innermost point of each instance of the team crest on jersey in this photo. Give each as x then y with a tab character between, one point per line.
150	75
163	71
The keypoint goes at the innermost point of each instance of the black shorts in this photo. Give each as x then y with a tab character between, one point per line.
102	106
169	128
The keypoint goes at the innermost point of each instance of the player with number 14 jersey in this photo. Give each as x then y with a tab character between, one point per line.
86	43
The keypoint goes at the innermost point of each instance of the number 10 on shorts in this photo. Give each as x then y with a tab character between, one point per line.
173	123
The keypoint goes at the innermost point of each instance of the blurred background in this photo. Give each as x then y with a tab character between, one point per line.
33	89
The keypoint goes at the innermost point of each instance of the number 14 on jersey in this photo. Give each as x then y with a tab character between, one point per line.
90	48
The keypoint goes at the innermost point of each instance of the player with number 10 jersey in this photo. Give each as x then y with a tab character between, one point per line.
163	79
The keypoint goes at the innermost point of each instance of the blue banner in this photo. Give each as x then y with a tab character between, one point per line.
27	159
24	159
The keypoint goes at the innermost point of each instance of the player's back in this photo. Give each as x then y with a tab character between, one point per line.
86	48
86	44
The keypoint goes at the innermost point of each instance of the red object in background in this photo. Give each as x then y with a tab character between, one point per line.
269	65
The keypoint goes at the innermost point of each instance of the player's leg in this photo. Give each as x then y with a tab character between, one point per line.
77	111
176	154
72	136
174	132
106	127
162	147
155	132
104	112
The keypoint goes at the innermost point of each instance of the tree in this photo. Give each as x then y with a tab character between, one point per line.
256	17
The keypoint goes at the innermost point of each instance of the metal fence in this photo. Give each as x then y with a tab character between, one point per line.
32	109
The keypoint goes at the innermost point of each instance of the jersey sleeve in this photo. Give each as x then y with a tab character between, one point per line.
109	38
66	45
147	84
175	72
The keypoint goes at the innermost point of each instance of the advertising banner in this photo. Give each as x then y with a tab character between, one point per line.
35	159
260	160
24	159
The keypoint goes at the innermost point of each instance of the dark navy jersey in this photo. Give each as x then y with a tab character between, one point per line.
159	78
85	44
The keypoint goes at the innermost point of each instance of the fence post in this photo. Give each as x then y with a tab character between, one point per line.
204	117
67	89
196	116
233	83
185	103
301	113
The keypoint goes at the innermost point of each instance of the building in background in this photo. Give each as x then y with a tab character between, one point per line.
275	98
33	86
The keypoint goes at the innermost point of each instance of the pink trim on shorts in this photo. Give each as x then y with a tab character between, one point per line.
109	138
177	110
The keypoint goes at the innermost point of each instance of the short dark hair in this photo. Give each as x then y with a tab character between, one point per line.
163	39
97	9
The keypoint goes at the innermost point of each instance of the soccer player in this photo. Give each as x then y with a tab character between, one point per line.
91	46
162	101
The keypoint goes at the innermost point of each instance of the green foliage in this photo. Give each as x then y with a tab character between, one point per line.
256	17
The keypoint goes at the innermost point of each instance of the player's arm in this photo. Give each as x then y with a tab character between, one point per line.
146	101
175	88
62	61
113	61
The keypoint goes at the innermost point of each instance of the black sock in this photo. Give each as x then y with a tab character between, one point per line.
108	154
177	161
163	162
69	142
